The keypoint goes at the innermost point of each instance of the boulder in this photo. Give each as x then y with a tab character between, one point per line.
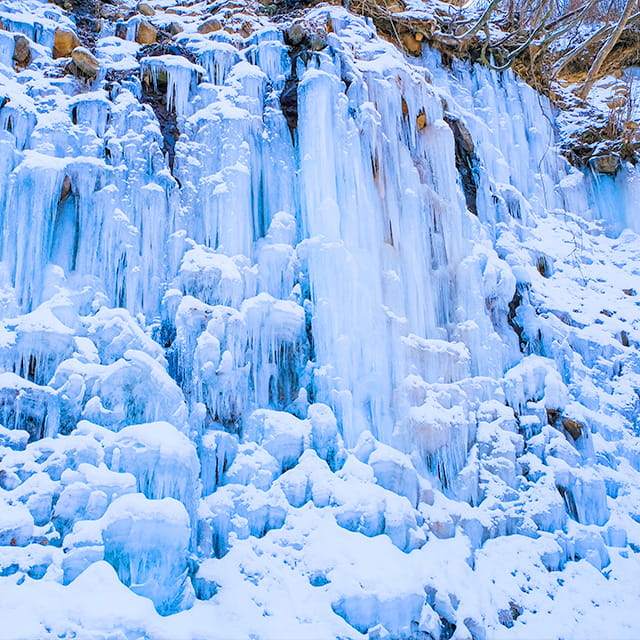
246	30
317	41
175	28
147	33
145	9
64	43
573	427
210	26
295	34
85	62
606	163
22	51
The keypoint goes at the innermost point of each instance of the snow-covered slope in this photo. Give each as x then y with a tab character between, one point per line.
302	339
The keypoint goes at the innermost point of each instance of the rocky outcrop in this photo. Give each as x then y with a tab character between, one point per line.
146	33
21	51
85	64
65	42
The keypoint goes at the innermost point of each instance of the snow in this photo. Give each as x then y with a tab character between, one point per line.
274	382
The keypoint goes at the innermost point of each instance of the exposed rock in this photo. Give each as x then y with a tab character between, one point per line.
121	30
466	160
317	41
209	26
411	44
66	189
147	33
112	13
145	9
552	415
607	164
573	427
87	15
64	43
246	29
543	266
289	102
174	28
22	51
421	120
295	34
167	47
85	62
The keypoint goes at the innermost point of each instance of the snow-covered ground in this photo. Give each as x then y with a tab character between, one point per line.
366	366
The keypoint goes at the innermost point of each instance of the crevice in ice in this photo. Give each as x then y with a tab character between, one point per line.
156	97
289	102
299	54
512	318
467	162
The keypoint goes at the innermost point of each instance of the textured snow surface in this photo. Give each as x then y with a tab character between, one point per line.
279	382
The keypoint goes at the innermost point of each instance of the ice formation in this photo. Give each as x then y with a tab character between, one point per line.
281	372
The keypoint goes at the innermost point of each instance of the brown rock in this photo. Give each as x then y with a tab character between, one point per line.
608	164
246	29
64	43
22	51
85	62
175	28
209	26
412	46
573	427
147	33
66	189
552	416
421	120
145	9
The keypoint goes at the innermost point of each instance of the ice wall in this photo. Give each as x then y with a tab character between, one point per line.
238	328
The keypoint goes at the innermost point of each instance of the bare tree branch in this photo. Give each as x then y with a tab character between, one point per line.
606	49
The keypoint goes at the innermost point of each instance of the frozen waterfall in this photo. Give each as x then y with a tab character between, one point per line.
366	366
